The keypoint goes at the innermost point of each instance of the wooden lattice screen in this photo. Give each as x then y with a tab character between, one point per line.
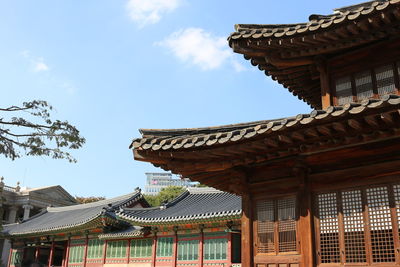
276	225
358	225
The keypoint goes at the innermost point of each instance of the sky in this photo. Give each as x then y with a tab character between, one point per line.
113	67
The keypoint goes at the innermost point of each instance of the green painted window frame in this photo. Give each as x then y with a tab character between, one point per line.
76	254
216	249
95	249
141	248
17	255
188	250
117	249
164	246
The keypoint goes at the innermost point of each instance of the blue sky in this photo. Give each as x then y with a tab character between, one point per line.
112	67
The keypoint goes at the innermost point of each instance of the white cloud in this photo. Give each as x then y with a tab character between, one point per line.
201	48
144	12
37	63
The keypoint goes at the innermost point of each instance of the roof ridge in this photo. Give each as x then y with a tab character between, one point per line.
204	190
124	198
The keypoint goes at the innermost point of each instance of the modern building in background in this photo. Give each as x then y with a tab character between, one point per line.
20	203
156	181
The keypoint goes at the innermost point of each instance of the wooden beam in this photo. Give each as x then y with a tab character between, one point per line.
286	63
322	67
247	230
305	228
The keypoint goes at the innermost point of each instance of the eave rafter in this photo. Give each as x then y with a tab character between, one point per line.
275	48
300	140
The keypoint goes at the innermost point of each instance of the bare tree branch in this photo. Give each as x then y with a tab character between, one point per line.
26	133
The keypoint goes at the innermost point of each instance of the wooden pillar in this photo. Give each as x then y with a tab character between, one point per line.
201	245
67	252
175	250
104	252
10	256
247	231
51	255
305	227
37	253
229	252
85	251
129	251
64	260
154	248
324	81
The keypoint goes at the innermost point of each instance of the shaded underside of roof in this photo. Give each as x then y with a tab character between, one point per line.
71	218
204	153
193	206
289	53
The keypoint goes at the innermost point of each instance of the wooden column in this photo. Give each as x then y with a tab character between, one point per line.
175	250
201	252
104	252
247	231
67	253
129	251
51	255
86	249
64	260
37	254
154	248
239	185
10	256
322	67
229	252
305	227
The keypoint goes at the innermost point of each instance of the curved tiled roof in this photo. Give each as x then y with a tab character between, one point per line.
132	231
294	54
207	137
317	22
70	217
194	205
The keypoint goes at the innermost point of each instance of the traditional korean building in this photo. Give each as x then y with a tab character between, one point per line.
201	227
318	189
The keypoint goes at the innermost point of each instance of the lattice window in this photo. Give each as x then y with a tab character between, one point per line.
276	226
188	250
164	246
95	249
343	90
76	254
352	223
363	82
141	248
385	79
287	224
266	226
381	225
215	249
396	196
329	228
117	249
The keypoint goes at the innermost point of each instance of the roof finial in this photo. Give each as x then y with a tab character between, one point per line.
17	188
2	182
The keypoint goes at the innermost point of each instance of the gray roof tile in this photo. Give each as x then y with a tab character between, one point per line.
57	219
196	204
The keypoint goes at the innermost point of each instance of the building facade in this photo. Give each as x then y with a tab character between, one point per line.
318	189
201	227
20	203
156	181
